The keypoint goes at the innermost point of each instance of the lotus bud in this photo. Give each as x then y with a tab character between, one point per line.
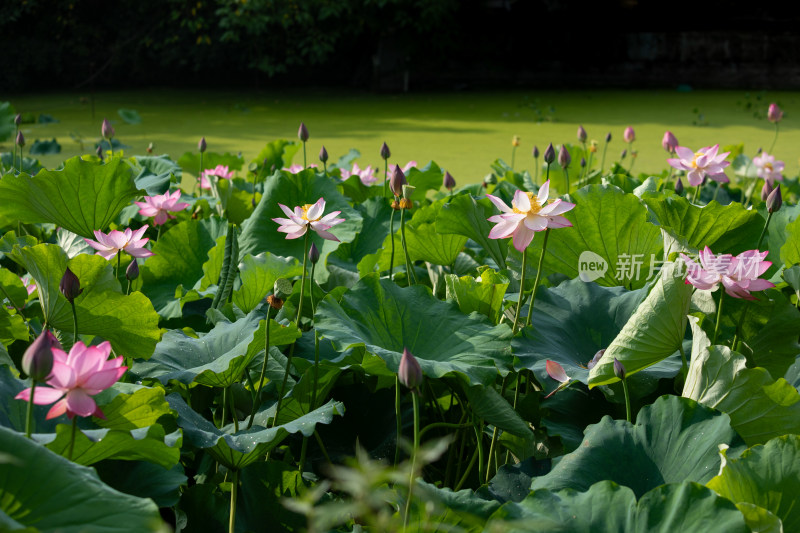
448	182
18	119
536	152
669	142
619	369
679	187
564	159
765	190
596	359
624	153
201	146
397	181
282	288
409	373
323	155
70	286
758	152
608	137
99	152
515	141
582	134
385	153
629	135
313	254
37	362
107	130
132	272
774	201
774	113
20	139
549	154
302	132
583	162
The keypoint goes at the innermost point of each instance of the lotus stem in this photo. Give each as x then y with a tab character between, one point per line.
29	417
234	491
398	419
386	180
521	291
412	278
750	193
305	165
538	278
467	471
627	400
763	231
391	232
566	179
774	140
72	437
603	162
74	322
495	433
313	404
513	156
719	315
412	476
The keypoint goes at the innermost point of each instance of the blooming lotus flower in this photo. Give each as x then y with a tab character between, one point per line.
308	216
75	378
768	169
774	113
294	169
160	206
127	241
221	172
738	275
704	162
527	215
366	175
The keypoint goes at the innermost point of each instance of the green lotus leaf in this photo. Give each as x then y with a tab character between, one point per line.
239	449
488	404
654	331
767	476
12	327
7	126
258	275
260	233
129	322
375	214
769	331
607	506
12	289
150	444
790	251
75	500
385	318
145	480
154	173
728	229
466	215
190	162
484	295
139	408
674	439
759	520
276	155
760	407
464	509
178	261
82	197
45	147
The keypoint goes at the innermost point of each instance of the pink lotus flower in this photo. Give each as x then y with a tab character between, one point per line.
160	206
768	169
29	284
75	378
556	371
221	172
527	215
739	275
366	175
127	241
698	164
774	113
294	169
308	216
669	142
629	135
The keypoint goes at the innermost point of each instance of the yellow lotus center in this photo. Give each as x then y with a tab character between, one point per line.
305	209
696	155
768	166
535	206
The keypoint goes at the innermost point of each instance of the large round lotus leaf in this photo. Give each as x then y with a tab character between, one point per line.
43	490
385	318
82	197
674	439
608	507
767	476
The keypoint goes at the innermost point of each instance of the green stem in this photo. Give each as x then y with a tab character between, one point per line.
224	407
316	341
128	290
696	193
233	411
750	194
437	425
764	231
74	323
263	370
29	417
72	438
521	291
385	178
774	140
547	178
684	363
398	419
391	232
479	444
716	192
413	460
536	171
538	278
468	470
580	173
719	315
158	235
603	162
513	155
566	178
495	432
234	491
738	335
412	278
305	165
116	270
627	401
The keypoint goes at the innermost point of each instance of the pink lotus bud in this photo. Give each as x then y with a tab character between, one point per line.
107	130
385	153
582	135
608	137
619	369
595	359
629	135
20	139
449	181
409	373
397	181
323	155
669	142
774	113
37	362
201	145
302	132
18	119
765	190
132	272
313	254
679	186
583	162
536	152
624	153
70	286
774	201
564	159
99	152
556	371
549	154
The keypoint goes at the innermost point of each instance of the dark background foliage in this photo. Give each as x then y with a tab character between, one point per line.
393	45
